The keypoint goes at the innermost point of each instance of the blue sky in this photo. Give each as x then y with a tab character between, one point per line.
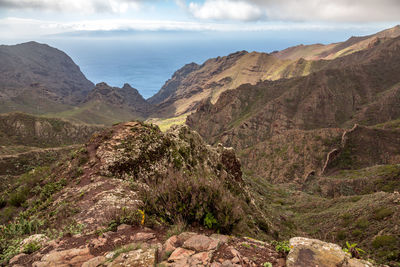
36	18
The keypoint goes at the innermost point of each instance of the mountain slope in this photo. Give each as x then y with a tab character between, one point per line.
193	83
332	51
41	70
108	105
29	130
335	96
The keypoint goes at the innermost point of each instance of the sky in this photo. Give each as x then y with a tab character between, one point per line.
29	19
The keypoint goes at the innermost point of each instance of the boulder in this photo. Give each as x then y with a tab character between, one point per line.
171	244
201	243
307	252
179	254
143	237
70	257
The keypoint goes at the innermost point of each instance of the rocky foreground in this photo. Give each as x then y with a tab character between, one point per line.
128	246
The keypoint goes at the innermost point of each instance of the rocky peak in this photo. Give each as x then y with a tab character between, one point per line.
125	97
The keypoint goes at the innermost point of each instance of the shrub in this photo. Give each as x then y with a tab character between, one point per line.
281	246
341	235
125	216
196	200
382	213
3	202
210	221
384	241
17	198
357	232
31	247
7	214
362	223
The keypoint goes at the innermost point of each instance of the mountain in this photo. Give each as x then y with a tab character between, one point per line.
332	51
39	79
328	140
193	83
42	72
108	105
313	151
345	91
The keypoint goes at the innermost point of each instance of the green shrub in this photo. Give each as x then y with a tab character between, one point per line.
7	214
31	247
51	188
382	213
347	219
384	241
281	246
210	221
17	198
362	223
357	232
341	235
196	200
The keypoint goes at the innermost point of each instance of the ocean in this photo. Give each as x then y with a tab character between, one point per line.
147	60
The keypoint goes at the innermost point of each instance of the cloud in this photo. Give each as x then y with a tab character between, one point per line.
81	6
15	28
298	10
225	10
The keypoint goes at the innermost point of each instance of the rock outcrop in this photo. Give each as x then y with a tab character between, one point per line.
127	98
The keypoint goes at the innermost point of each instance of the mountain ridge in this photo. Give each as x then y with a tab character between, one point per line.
183	93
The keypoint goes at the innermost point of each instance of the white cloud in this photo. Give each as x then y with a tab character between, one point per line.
81	6
14	28
226	10
298	10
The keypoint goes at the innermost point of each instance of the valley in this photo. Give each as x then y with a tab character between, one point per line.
243	152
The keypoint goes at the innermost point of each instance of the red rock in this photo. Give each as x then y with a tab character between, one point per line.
201	243
171	244
180	253
203	257
185	236
143	237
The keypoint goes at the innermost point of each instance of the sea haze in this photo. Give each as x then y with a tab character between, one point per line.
146	60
